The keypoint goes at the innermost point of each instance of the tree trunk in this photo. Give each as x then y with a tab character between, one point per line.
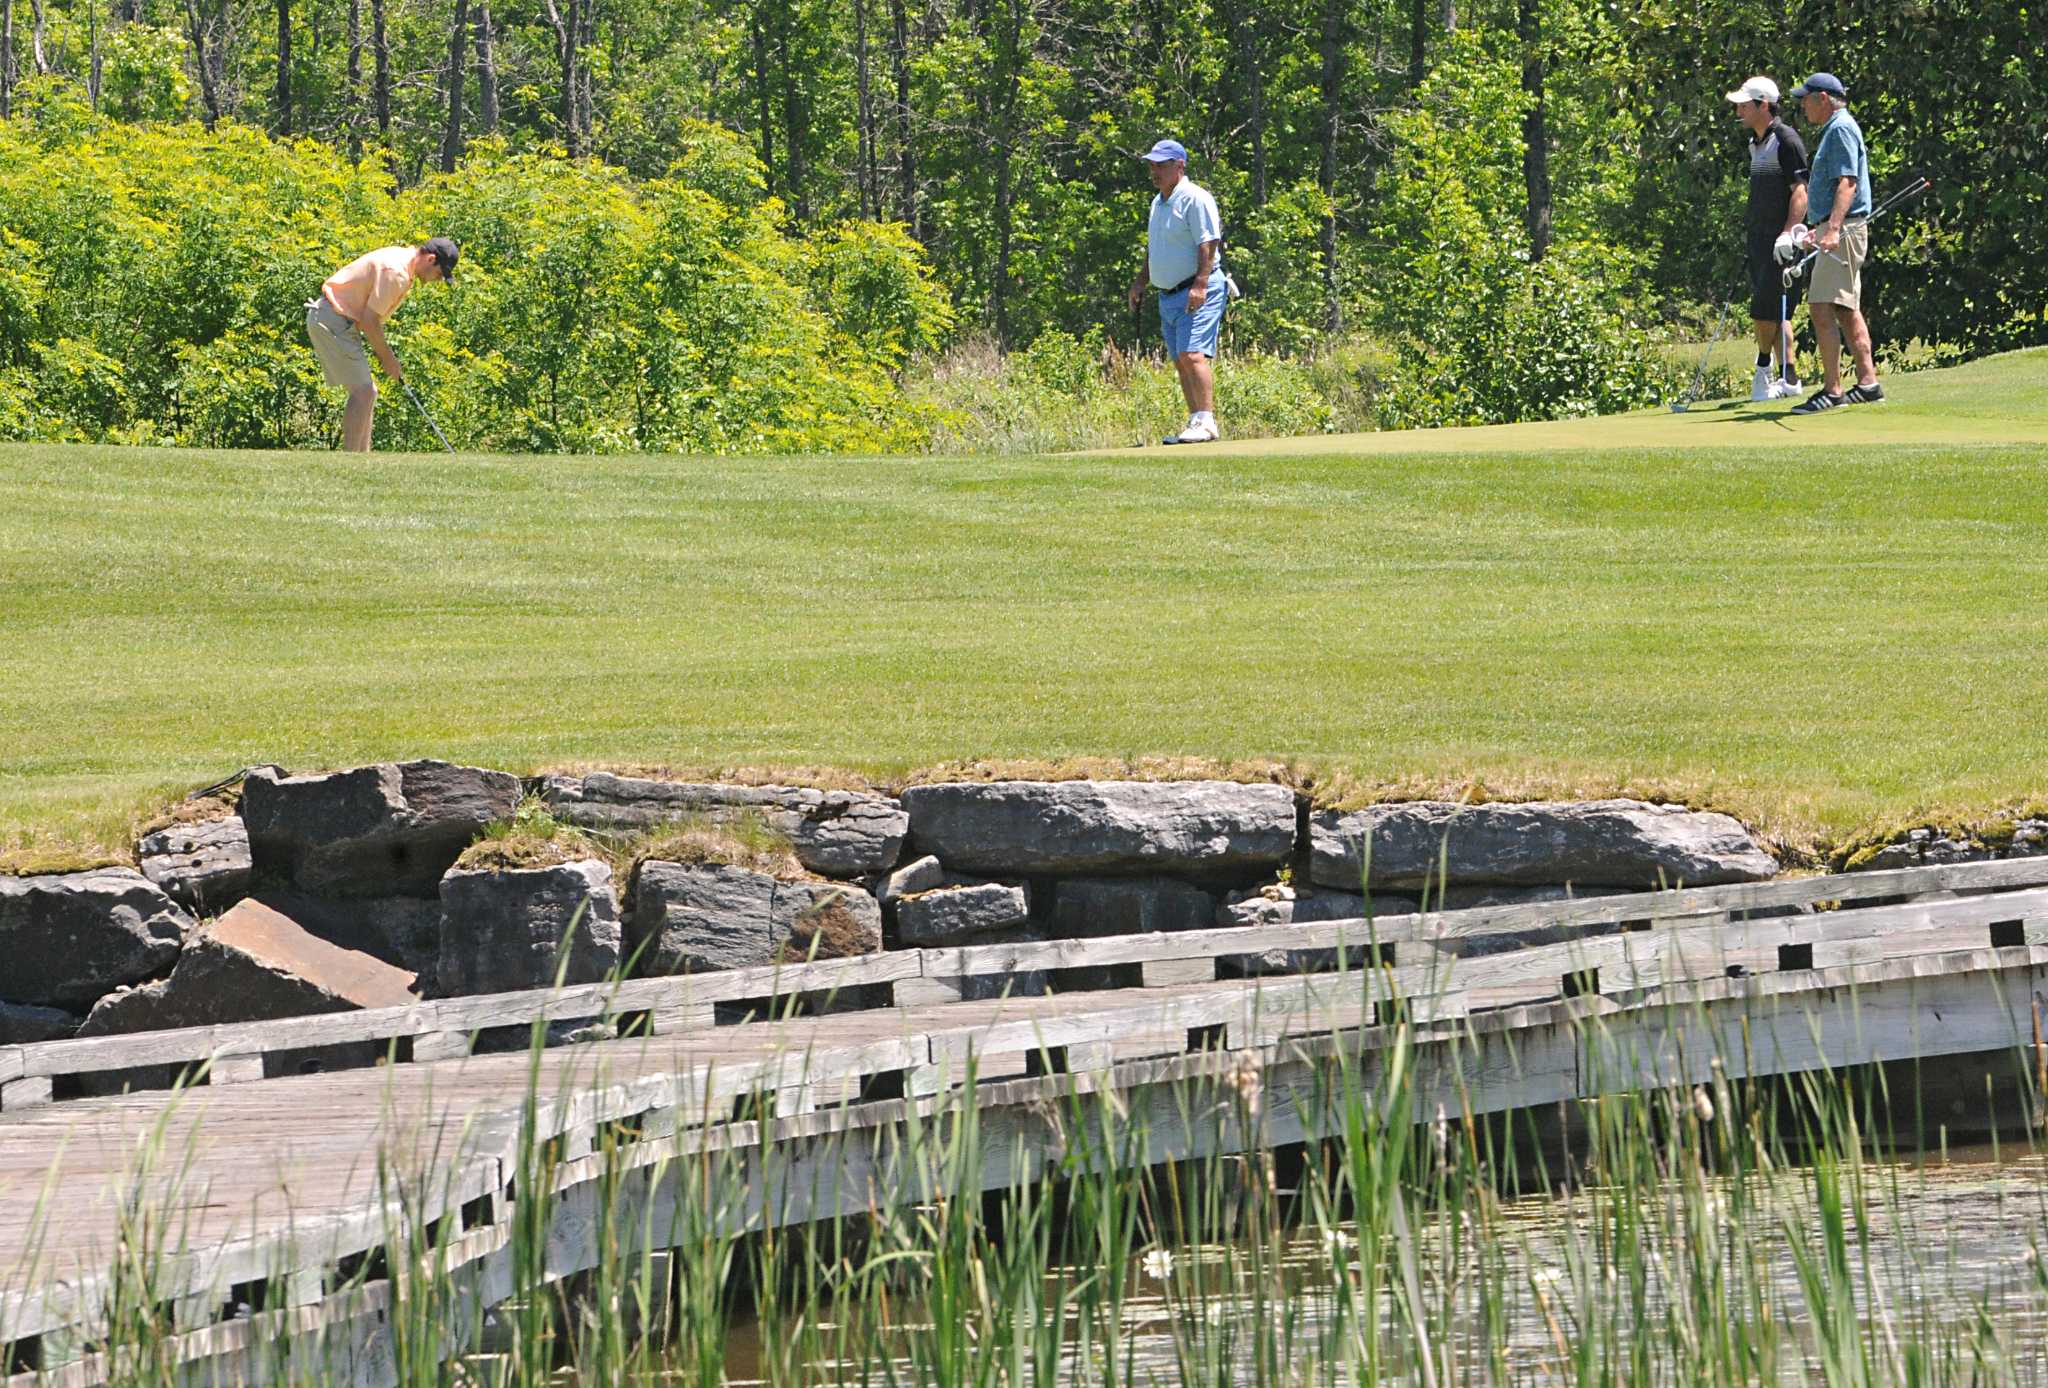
205	58
1535	140
1450	16
1333	55
380	56
42	28
870	204
284	67
92	72
1255	85
795	122
1418	41
568	35
458	46
906	168
7	61
1009	68
486	69
355	80
759	34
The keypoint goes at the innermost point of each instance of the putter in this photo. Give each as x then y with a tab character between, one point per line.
427	417
1684	402
1910	191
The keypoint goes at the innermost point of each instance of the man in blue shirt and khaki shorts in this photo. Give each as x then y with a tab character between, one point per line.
1184	263
1838	210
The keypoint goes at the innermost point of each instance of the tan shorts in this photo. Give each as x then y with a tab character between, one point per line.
339	345
1838	277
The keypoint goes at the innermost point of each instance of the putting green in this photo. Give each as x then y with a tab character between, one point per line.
2001	400
1818	624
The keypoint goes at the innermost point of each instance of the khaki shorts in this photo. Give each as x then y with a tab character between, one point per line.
339	345
1838	278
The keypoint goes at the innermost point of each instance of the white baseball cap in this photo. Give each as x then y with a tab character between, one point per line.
1756	89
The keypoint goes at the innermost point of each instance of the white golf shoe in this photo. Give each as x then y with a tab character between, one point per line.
1763	387
1198	431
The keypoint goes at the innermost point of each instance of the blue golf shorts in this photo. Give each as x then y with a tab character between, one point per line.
1197	331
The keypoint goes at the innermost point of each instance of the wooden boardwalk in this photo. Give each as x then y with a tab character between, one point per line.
262	1197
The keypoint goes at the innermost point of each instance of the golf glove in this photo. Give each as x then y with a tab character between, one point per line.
1792	244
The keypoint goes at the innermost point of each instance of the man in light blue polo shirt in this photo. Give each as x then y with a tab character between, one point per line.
1184	263
1838	209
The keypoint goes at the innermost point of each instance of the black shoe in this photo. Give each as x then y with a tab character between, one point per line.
1818	401
1872	394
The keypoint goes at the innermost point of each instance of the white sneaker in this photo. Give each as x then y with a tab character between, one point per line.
1786	390
1762	387
1198	431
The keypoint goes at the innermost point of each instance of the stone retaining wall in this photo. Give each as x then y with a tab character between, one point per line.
361	864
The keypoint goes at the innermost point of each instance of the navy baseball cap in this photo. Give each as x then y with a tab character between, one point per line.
1165	150
1821	82
445	253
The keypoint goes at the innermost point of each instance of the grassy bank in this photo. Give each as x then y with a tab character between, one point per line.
1816	623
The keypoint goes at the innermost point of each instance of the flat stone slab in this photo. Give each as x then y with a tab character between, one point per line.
1610	843
1191	828
251	965
202	867
954	915
510	929
67	939
385	830
836	833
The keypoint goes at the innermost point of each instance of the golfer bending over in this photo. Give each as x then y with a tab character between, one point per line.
353	307
1777	203
1183	255
1838	208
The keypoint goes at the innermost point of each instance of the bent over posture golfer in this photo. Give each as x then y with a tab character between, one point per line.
347	321
1777	203
1183	262
1838	208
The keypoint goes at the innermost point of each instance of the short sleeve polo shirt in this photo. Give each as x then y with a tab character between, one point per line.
1181	221
1840	154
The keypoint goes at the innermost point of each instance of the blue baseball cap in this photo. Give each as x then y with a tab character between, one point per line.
1165	150
1821	82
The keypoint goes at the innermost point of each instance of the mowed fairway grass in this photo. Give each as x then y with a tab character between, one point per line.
1821	624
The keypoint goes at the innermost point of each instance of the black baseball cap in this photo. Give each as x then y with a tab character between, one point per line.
445	253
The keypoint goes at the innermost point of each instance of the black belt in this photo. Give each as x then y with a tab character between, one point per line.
1184	284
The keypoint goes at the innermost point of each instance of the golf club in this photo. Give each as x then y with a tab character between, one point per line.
407	385
1684	402
1910	191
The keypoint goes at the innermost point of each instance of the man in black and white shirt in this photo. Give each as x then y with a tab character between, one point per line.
1777	204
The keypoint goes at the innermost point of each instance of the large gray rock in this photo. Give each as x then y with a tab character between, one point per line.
22	1024
955	915
252	965
386	830
67	939
502	931
1190	828
825	920
690	917
1091	906
202	867
1615	843
837	833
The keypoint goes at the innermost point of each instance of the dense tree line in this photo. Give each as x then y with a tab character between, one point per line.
1467	180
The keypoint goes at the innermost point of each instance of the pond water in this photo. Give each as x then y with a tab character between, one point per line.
1941	1262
